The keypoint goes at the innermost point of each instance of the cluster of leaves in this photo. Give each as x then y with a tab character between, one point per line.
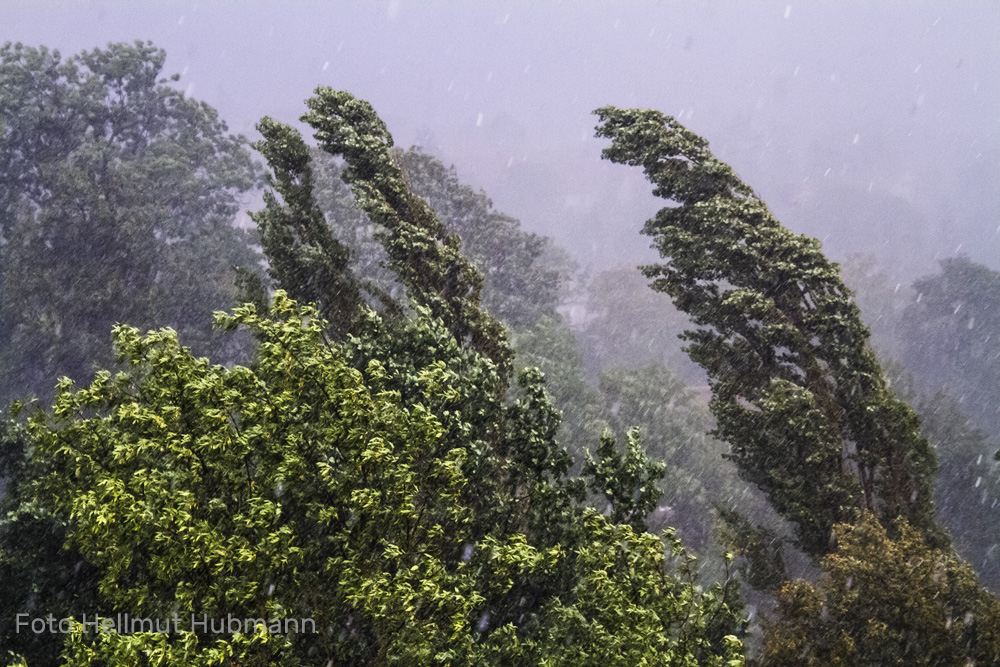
885	601
117	198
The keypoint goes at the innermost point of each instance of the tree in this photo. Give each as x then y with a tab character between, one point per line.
627	325
797	393
951	329
522	274
304	488
966	486
885	601
117	201
38	575
674	425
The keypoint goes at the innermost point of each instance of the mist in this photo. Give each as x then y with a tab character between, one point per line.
873	127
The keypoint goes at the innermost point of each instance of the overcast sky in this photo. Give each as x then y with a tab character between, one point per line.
873	126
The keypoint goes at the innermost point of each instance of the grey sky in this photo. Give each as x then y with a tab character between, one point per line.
874	126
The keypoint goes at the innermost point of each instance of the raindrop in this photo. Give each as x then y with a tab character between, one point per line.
479	119
788	11
979	480
467	554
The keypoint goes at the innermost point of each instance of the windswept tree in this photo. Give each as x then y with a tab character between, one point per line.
797	392
118	196
810	419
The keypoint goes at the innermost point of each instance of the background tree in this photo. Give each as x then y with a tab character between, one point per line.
951	329
117	201
946	381
629	326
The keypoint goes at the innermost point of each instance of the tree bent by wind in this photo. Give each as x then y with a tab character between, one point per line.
801	399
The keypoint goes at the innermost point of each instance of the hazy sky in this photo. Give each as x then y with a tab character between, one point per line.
873	126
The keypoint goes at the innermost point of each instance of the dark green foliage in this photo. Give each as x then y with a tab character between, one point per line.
627	481
303	256
39	576
798	394
521	284
424	255
117	198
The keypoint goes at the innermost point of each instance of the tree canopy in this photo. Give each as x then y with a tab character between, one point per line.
117	200
797	392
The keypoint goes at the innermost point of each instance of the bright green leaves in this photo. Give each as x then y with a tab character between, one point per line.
291	490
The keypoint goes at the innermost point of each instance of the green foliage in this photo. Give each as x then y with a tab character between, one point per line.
117	198
885	601
304	487
521	280
626	481
425	256
38	575
798	394
303	256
